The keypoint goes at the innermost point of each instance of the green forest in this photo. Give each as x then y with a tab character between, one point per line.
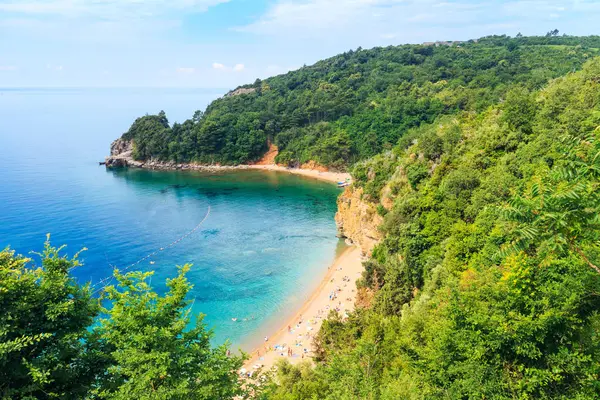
487	283
355	105
483	158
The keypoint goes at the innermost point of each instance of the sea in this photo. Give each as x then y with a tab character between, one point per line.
259	242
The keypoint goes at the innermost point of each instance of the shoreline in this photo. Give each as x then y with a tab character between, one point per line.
328	176
292	338
296	334
127	161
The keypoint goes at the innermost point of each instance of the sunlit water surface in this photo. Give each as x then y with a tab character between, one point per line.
265	245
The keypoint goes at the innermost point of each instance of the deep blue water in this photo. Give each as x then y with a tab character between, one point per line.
265	245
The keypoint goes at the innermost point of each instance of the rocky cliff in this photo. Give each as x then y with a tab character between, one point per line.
121	155
240	91
358	220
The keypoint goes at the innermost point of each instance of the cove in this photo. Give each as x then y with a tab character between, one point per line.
265	246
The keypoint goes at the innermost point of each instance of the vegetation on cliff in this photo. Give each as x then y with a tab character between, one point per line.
353	106
486	282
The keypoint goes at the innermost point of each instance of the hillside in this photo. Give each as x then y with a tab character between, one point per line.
355	105
486	282
475	196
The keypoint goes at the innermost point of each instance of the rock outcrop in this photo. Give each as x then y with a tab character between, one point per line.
121	155
121	146
358	220
240	91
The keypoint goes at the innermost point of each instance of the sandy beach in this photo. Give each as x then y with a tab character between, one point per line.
294	338
311	173
121	156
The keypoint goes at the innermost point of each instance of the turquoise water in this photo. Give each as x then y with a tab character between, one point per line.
265	245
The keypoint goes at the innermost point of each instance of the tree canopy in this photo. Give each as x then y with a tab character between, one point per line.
58	341
353	106
486	284
482	157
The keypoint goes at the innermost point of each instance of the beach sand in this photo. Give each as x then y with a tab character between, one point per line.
312	173
297	333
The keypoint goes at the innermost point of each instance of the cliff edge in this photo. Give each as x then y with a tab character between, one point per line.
358	220
121	155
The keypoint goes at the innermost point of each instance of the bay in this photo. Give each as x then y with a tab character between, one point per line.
257	256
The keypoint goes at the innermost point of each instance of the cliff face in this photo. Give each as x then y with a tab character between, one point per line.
120	154
240	91
358	220
121	147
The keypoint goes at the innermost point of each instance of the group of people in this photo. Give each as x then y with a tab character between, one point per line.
288	350
298	340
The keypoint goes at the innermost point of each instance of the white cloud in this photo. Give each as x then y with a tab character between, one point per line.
89	36
309	14
366	21
532	8
328	19
223	67
105	9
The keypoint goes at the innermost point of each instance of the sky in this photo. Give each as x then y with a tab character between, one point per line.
225	43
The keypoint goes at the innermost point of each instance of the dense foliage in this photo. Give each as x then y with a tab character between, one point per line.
354	105
57	341
43	321
486	284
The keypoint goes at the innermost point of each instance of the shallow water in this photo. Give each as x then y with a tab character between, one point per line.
265	245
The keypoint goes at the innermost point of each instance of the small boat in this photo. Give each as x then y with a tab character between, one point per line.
234	319
343	184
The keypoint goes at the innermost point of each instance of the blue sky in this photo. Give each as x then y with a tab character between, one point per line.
224	43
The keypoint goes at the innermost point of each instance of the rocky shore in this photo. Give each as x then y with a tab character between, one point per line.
121	156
